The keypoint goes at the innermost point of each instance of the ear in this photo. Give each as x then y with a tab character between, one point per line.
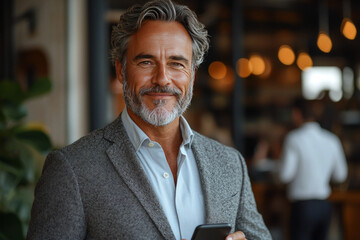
193	76
119	70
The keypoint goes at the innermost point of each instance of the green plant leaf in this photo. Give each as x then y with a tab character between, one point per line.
10	169
11	151
11	90
13	111
2	120
3	237
10	226
21	156
22	153
22	201
8	183
27	157
36	138
39	87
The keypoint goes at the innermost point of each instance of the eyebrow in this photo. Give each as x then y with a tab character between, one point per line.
143	56
180	58
149	56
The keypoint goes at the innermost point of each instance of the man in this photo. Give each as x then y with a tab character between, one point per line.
147	175
312	156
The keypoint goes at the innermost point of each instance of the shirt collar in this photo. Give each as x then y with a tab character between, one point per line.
311	125
137	136
186	132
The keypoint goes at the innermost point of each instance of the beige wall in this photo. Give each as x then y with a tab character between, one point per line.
63	110
50	37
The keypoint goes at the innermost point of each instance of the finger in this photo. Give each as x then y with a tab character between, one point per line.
236	236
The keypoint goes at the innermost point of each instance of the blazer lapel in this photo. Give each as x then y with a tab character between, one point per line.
207	180
122	155
219	186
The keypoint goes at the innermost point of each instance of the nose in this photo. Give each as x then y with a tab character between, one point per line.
161	76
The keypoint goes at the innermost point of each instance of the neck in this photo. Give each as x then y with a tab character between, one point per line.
168	136
165	135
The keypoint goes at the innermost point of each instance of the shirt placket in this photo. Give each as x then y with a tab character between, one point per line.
180	189
167	192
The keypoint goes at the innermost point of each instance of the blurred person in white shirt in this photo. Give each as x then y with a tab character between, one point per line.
312	157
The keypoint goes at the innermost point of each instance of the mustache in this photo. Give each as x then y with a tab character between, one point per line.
161	89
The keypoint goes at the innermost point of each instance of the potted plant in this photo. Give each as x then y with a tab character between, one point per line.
22	150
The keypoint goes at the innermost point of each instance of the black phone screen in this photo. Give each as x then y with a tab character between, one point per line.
211	231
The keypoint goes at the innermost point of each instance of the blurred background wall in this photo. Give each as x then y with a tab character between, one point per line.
264	54
39	37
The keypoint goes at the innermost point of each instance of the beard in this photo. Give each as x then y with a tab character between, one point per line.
160	115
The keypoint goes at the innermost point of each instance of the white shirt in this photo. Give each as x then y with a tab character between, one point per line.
312	156
183	205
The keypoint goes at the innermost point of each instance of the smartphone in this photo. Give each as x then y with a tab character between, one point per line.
217	231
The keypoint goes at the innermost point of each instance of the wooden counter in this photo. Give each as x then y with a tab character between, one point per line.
273	205
350	208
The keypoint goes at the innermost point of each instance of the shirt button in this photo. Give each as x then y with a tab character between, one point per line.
151	144
166	175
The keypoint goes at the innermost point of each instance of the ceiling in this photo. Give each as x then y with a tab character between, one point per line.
296	23
268	23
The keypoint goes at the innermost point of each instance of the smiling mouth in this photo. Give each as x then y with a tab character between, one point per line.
160	95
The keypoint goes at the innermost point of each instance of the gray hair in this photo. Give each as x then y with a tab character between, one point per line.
163	10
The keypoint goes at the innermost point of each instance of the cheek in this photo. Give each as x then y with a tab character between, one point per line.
186	80
137	80
184	85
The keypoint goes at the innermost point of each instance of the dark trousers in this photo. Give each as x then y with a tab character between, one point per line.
310	220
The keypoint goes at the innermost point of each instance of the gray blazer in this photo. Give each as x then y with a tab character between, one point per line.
95	188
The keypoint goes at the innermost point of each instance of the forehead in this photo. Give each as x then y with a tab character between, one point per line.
159	37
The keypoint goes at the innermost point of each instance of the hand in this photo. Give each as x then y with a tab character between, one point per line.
236	236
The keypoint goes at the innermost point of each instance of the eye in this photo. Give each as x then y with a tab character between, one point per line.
144	63
177	65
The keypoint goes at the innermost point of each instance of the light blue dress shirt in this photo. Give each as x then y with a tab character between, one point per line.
183	204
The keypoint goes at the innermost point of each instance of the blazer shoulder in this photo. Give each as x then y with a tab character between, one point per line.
98	140
212	144
216	151
85	143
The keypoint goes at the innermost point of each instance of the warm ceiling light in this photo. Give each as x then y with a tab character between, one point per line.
243	67
324	42
258	64
286	55
217	70
348	29
226	84
268	68
304	61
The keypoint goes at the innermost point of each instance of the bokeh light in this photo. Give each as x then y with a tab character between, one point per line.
268	68
225	84
286	55
348	29
258	64
243	67
324	42
217	70
304	61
